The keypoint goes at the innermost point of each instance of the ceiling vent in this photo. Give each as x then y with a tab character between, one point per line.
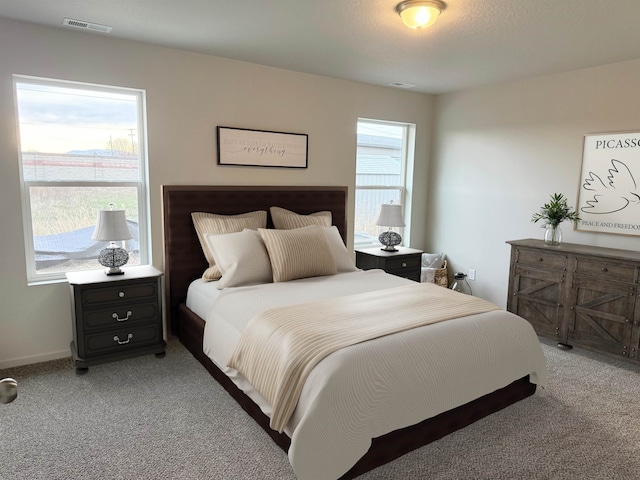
94	27
401	85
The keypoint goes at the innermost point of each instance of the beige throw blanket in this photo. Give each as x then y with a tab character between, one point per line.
279	347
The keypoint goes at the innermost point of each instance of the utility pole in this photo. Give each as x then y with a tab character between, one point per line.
133	145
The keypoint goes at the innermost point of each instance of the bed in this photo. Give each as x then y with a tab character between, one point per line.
185	263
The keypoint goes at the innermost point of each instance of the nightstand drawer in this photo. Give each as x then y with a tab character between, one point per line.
400	264
410	274
118	317
121	294
122	339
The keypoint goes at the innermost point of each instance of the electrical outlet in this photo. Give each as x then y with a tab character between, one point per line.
472	274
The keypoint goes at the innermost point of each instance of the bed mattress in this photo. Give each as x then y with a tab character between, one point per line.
201	296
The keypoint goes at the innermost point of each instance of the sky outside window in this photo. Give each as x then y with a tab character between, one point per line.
62	120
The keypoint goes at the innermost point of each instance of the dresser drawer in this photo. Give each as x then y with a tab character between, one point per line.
119	294
122	339
606	270
118	317
540	258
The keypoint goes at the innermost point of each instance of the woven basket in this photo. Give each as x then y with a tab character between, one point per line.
441	276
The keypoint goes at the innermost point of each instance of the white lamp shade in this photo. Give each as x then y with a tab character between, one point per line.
390	215
111	226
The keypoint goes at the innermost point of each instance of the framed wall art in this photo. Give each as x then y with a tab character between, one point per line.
609	192
260	148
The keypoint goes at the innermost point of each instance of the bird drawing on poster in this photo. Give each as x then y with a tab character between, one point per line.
615	193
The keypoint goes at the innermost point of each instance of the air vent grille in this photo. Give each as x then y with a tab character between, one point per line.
401	85
95	27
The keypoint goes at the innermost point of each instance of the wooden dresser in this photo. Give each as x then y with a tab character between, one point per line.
578	294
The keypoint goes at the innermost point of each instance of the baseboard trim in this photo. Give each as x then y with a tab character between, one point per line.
21	361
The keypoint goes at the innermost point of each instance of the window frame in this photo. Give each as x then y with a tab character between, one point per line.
406	169
142	185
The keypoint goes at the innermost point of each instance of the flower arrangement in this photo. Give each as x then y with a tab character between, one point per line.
553	214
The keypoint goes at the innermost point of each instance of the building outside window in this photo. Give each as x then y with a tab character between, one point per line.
382	159
82	148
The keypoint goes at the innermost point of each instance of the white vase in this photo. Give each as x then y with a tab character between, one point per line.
553	235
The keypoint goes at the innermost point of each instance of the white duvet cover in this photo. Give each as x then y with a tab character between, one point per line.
369	389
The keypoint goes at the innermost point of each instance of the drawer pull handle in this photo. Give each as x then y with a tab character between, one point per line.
115	315
404	264
121	294
117	339
540	259
604	270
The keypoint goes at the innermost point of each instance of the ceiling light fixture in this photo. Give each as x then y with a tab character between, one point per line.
419	14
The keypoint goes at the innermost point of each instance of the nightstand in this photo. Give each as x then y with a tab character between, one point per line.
403	263
115	317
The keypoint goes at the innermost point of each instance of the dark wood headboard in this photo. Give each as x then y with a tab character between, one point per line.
183	257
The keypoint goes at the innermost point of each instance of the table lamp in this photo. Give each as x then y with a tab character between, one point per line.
390	216
112	227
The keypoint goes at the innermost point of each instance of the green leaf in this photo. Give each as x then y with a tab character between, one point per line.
555	212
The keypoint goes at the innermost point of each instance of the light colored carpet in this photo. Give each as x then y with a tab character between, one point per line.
149	418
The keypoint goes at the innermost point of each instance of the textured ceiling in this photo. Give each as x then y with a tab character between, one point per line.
474	42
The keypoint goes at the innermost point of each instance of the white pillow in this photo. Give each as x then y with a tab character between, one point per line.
241	257
284	219
298	253
339	250
206	223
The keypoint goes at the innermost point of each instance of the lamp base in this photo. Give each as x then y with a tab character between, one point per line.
113	257
114	271
390	239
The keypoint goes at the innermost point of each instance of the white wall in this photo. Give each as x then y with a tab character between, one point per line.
502	150
188	95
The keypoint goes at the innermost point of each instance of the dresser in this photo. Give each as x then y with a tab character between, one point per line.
403	263
115	317
579	295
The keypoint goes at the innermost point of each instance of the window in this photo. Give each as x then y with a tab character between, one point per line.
382	161
82	148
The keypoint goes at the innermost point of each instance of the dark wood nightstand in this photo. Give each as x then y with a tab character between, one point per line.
115	317
403	263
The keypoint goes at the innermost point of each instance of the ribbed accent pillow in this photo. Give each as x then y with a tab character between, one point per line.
241	257
205	223
300	253
287	220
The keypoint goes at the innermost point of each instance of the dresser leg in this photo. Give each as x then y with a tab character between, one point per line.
81	370
160	355
564	346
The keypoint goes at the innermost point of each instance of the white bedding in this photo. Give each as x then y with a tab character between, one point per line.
361	392
201	296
